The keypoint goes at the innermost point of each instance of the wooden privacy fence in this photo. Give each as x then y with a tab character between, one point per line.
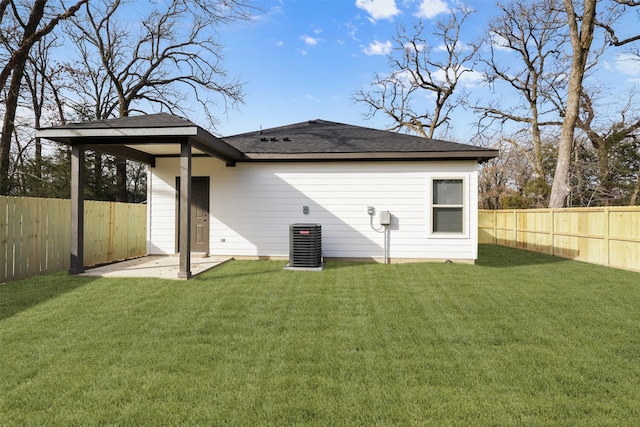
35	234
607	236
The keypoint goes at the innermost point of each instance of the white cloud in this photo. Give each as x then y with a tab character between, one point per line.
469	78
309	41
310	97
379	9
378	48
499	43
351	30
431	8
628	64
268	15
279	43
404	77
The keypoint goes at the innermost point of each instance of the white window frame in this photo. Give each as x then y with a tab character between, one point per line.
465	208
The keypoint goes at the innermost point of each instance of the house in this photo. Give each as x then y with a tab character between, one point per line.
377	195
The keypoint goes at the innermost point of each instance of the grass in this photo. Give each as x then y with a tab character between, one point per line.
520	338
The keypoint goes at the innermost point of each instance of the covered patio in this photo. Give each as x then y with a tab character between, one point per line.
142	139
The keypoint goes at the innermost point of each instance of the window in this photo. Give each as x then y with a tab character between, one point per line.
447	207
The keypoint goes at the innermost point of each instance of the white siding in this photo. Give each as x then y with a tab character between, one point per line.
253	204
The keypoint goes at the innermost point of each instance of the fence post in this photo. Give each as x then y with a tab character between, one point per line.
607	233
552	244
515	228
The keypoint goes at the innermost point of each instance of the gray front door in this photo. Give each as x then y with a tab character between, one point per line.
199	214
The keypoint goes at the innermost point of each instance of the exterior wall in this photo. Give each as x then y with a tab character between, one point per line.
253	204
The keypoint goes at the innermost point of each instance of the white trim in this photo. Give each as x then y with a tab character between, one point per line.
116	132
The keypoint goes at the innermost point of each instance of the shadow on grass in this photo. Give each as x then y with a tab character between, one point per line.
494	256
336	264
267	267
502	256
21	295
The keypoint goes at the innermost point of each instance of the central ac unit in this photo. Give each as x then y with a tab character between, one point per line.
305	245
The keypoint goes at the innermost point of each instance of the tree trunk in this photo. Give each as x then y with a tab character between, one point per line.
581	39
8	127
14	67
636	191
121	180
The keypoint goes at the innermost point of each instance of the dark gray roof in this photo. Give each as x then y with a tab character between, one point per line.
146	137
325	139
160	120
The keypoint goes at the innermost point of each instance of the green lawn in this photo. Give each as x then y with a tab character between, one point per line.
520	338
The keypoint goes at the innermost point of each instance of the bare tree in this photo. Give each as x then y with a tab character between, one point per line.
608	137
41	80
503	180
175	52
534	32
22	25
172	55
582	23
419	67
620	7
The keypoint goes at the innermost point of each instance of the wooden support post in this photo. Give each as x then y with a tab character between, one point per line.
185	211
77	210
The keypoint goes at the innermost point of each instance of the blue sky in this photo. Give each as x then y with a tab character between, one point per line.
304	59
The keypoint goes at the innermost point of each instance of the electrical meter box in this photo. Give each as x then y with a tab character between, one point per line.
385	218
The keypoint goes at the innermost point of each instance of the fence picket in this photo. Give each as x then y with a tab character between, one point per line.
35	234
607	236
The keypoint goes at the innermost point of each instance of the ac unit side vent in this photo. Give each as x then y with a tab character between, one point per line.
305	245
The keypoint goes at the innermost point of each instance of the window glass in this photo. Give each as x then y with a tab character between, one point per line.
447	192
447	220
448	206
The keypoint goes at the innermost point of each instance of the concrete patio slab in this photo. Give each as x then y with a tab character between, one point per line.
154	266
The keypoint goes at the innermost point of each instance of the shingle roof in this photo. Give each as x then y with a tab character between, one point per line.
160	120
318	138
314	140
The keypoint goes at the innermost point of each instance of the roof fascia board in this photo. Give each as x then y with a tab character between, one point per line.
216	147
445	155
71	133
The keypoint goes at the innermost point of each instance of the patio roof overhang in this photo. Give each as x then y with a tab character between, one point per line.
143	143
143	139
